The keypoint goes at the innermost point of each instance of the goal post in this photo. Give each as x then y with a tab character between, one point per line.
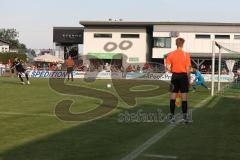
231	52
213	68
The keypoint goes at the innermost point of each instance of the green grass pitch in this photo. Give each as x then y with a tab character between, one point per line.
29	129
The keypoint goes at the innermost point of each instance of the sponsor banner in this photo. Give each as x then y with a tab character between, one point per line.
158	76
119	75
168	76
224	78
47	74
76	74
109	75
102	75
133	75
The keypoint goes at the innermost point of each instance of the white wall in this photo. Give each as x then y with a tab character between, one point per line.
192	44
4	47
59	52
96	45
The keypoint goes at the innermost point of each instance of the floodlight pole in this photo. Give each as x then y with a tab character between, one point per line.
213	67
219	69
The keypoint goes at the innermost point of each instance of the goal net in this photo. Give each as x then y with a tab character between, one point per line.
225	67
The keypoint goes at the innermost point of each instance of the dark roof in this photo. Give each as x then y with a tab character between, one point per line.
4	41
68	28
142	23
209	55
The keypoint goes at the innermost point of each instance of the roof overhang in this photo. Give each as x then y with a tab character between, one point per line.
209	55
3	41
145	23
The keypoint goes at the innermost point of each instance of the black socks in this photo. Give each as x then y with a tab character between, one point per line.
184	109
27	76
20	77
172	106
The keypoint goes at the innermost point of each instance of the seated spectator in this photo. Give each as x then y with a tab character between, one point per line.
224	71
129	68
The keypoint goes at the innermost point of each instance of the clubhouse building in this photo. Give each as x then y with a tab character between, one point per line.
140	42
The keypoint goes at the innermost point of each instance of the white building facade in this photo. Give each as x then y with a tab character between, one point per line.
108	42
4	46
143	42
198	36
127	43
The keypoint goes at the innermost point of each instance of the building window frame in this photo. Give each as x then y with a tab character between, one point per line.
102	35
223	36
202	36
166	42
130	35
237	36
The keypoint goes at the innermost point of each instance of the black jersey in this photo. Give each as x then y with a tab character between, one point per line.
18	65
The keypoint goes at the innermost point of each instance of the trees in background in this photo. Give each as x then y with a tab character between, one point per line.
11	36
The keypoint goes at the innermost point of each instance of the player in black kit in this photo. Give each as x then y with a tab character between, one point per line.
20	70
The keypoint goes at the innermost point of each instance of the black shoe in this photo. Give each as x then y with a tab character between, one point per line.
172	119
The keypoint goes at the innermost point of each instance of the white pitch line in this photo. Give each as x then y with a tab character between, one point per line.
136	152
160	156
27	114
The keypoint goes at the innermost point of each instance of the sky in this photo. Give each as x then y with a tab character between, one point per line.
35	19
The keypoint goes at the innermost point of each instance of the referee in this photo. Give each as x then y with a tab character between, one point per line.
179	63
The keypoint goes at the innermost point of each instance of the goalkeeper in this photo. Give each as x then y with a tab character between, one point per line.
199	79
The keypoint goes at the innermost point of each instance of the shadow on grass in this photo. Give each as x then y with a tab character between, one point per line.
104	139
214	134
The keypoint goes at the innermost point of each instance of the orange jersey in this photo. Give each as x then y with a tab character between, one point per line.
179	61
69	63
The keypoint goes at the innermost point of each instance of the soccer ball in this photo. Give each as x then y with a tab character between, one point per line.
109	85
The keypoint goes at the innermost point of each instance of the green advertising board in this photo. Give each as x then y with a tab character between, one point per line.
104	55
133	59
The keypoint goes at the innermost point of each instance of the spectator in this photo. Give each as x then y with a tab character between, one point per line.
224	71
138	68
70	66
59	66
129	68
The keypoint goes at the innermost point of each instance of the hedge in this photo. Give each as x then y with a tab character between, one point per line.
4	57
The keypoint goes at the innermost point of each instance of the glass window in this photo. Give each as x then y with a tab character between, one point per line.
222	36
102	35
203	36
130	35
162	42
236	36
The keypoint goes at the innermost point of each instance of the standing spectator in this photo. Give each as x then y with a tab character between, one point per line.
138	68
59	66
133	69
179	63
70	65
